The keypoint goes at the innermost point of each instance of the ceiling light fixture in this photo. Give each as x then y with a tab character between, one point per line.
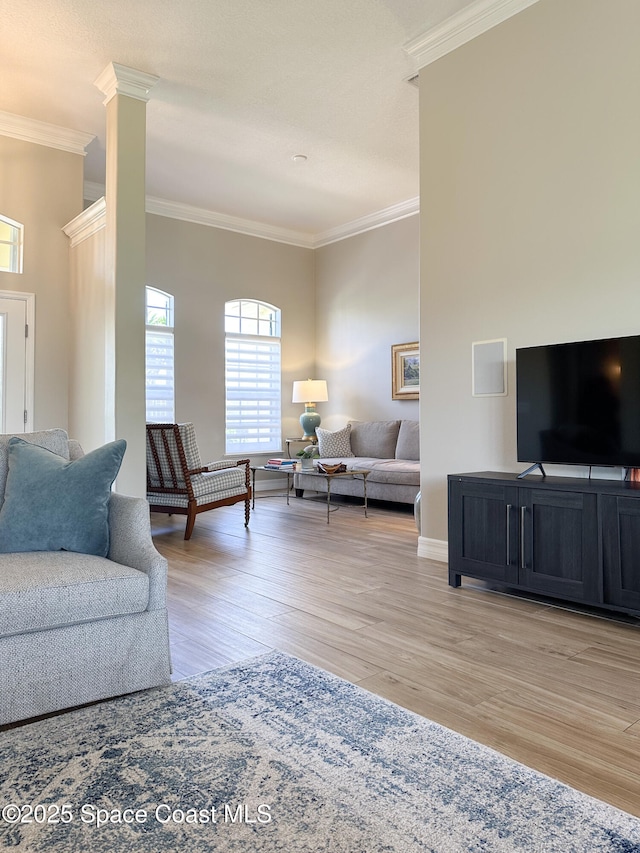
299	158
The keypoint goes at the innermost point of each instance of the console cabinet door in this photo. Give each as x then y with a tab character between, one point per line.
559	544
621	554
483	531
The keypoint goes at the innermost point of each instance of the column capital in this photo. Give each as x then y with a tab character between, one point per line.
118	79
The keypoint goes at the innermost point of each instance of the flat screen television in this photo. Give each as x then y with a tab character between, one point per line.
579	403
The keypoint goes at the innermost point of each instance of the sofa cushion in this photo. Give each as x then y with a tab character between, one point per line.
374	438
395	471
335	443
408	446
352	463
52	504
48	589
55	440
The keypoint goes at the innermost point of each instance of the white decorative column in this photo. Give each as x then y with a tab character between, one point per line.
127	93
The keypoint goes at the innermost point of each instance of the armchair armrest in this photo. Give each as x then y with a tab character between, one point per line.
130	544
214	466
219	466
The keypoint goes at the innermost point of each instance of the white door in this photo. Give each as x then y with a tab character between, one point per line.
14	363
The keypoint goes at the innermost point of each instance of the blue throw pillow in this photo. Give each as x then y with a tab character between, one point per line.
51	504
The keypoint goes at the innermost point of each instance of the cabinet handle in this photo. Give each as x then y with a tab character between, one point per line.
523	513
509	508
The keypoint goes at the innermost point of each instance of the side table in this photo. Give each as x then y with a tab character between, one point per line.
290	441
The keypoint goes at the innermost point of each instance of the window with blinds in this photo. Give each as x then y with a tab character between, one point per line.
159	354
252	377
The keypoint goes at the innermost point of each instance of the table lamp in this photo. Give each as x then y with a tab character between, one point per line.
310	392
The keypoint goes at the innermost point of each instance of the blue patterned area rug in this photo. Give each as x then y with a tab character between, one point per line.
276	755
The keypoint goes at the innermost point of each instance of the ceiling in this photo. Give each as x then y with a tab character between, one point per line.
245	85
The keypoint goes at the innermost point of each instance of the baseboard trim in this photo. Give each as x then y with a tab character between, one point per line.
433	549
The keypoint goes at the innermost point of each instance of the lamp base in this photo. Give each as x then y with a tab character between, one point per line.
309	421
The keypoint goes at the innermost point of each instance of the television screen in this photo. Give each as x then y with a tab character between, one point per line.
579	403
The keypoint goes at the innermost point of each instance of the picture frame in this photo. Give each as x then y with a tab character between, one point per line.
405	371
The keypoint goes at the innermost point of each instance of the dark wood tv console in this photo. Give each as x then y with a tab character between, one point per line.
573	539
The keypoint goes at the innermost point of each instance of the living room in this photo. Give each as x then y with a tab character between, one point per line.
529	214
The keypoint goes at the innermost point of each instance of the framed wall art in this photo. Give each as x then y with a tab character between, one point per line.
405	371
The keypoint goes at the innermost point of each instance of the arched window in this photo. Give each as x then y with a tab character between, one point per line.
159	339
252	377
10	245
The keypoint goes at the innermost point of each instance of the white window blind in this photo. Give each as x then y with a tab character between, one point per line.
253	416
160	376
159	344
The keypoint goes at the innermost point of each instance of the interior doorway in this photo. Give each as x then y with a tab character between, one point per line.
17	318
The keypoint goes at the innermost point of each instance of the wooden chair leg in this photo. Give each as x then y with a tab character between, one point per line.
191	520
247	510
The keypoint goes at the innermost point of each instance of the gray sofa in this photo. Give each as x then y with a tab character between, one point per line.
76	628
390	450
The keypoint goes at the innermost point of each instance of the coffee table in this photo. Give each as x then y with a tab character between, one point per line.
356	474
285	470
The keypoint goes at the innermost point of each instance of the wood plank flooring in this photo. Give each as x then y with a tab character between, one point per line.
549	685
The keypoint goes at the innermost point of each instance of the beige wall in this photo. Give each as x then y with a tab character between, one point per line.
530	214
203	267
368	285
42	188
366	301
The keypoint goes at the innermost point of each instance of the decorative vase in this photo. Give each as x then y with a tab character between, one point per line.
309	420
416	512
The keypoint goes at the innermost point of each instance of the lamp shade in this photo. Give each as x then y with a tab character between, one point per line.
310	391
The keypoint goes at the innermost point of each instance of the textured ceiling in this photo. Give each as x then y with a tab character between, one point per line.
244	85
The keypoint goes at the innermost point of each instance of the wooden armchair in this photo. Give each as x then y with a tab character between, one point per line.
177	482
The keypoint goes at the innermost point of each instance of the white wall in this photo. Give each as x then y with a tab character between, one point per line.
367	299
530	214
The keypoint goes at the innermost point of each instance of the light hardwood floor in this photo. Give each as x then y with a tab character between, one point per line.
553	687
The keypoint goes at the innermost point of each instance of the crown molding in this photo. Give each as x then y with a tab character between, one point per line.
461	28
368	223
118	79
43	133
176	210
87	223
200	216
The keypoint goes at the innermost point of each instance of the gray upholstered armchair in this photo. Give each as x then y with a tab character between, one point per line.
76	627
178	482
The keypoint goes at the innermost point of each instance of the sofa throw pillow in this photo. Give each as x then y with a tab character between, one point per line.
408	446
334	444
52	504
376	439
